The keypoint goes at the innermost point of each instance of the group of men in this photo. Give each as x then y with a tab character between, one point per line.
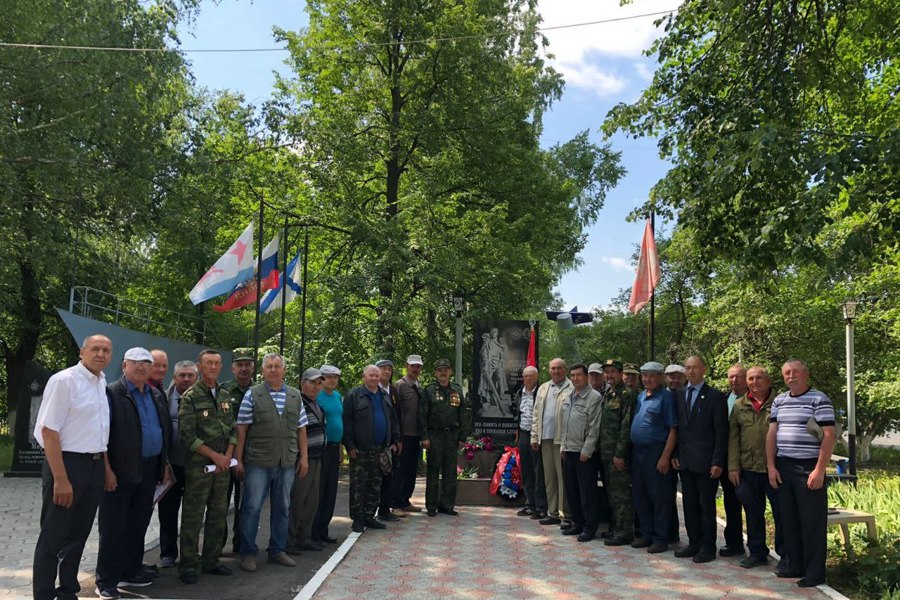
117	445
601	423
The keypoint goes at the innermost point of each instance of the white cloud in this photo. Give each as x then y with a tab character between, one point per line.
617	263
643	71
584	55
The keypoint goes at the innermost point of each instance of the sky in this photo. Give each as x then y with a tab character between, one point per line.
603	64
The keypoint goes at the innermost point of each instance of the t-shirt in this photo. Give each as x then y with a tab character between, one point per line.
792	414
333	406
378	417
655	415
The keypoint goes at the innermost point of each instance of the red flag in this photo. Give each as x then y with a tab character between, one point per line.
647	276
245	294
532	349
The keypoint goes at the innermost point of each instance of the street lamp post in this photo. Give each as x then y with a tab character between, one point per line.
849	310
458	304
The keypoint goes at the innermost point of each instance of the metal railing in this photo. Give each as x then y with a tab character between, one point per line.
132	314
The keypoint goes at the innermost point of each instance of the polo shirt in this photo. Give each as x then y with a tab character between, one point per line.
332	406
279	397
655	415
792	414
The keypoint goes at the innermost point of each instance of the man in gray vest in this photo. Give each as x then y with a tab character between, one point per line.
271	428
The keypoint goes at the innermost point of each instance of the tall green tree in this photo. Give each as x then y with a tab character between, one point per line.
419	125
82	150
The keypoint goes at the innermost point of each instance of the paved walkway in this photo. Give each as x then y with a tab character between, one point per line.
489	552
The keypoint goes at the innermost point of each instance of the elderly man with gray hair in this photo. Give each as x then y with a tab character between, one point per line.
271	426
371	432
531	466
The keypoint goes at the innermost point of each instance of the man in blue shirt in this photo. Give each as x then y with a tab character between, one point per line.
139	438
332	404
654	432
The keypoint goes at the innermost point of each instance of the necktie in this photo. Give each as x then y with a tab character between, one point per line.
690	395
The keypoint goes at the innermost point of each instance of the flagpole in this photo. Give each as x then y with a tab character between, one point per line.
259	258
305	285
653	298
284	263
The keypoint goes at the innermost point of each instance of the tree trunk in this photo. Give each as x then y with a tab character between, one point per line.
864	448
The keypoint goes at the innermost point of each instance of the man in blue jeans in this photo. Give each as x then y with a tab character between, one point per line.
271	428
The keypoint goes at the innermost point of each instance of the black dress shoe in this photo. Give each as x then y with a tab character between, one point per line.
606	534
572	531
448	511
549	521
374	524
310	545
432	513
537	516
657	547
687	552
787	574
704	557
586	536
748	562
566	523
358	527
804	582
617	541
730	551
387	517
218	570
188	578
329	540
640	543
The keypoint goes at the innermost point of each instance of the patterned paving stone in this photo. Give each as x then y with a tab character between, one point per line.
488	552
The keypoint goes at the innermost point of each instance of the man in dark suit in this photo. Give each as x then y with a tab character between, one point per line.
700	458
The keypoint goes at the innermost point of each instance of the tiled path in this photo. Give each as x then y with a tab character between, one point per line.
492	553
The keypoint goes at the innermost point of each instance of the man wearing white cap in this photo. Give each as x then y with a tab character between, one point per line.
674	378
140	431
409	394
332	404
305	493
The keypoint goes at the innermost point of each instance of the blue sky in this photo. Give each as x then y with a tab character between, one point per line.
602	65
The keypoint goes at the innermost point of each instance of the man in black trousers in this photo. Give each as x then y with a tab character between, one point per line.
140	433
700	458
72	427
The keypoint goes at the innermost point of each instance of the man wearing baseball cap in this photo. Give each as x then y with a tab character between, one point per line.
243	364
332	404
409	401
139	435
654	433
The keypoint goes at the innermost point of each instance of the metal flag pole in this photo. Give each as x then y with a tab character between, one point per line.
284	274
305	285
653	298
262	206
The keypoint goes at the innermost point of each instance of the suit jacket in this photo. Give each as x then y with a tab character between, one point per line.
124	448
703	431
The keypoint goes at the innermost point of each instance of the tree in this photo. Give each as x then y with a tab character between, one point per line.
81	154
419	126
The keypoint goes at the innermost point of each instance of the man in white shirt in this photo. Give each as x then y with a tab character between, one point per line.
73	429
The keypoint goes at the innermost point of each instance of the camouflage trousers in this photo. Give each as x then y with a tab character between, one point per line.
365	484
440	480
620	501
203	493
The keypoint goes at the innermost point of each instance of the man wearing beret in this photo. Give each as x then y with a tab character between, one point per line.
444	421
654	433
615	453
243	364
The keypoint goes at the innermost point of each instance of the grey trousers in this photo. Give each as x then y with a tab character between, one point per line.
304	504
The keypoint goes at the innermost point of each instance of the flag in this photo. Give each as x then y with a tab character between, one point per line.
531	361
232	268
272	299
647	276
244	293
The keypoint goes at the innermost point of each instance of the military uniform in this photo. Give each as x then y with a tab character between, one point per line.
206	419
236	394
615	441
444	421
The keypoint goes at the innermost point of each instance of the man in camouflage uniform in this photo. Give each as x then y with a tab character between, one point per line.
615	451
444	422
371	432
243	364
207	427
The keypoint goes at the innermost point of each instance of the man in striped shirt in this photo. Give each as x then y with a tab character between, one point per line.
271	426
798	448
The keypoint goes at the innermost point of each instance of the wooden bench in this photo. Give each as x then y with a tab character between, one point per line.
844	516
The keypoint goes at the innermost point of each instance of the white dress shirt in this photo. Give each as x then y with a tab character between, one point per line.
75	406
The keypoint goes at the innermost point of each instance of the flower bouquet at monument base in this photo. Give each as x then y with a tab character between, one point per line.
480	453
